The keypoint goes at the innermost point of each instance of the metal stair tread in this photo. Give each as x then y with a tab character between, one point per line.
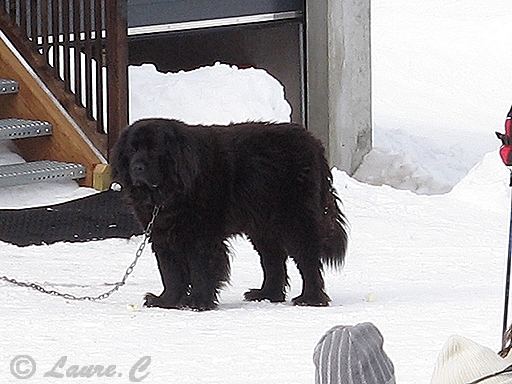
13	128
38	171
8	86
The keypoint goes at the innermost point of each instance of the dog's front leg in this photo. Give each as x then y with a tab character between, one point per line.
209	271
175	279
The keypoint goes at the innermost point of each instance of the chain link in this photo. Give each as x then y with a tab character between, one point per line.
103	296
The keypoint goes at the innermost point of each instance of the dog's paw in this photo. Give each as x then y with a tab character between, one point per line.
312	300
151	300
260	295
197	304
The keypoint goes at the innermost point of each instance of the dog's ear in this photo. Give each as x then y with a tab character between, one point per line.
184	152
188	166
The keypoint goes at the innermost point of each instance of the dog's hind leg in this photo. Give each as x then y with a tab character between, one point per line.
175	279
275	280
305	250
313	292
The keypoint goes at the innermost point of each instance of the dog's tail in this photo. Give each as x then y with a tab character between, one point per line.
335	239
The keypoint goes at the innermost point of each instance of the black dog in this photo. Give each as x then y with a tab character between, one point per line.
268	181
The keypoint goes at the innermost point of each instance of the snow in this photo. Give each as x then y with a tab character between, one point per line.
207	95
441	87
424	263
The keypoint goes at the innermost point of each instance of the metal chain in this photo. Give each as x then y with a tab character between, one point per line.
103	296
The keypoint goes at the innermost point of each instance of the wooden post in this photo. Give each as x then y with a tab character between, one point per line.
55	38
88	58
117	64
66	18
33	23
98	52
45	30
77	43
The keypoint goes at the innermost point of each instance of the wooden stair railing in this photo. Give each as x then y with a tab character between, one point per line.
79	50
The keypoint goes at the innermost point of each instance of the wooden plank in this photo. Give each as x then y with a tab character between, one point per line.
65	31
15	11
98	49
23	15
102	177
55	37
78	47
32	102
44	28
88	58
33	22
117	62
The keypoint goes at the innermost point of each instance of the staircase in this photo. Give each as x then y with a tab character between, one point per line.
69	60
22	129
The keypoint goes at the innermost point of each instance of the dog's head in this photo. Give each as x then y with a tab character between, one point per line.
157	158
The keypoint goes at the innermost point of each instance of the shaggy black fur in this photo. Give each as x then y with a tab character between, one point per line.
268	181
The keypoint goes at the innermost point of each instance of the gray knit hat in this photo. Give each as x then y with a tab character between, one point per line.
352	355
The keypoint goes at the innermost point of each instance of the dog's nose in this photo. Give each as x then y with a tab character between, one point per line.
138	168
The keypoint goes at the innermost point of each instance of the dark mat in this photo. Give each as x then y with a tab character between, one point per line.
100	216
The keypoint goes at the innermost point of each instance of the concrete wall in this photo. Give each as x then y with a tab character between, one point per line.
339	78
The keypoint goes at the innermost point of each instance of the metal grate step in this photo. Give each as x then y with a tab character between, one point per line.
8	86
37	171
19	128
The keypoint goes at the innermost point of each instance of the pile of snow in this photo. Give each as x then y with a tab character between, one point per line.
220	94
441	87
392	168
486	185
8	154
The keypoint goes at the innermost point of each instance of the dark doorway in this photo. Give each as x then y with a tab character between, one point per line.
172	35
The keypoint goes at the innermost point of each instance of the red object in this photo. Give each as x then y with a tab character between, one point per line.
506	154
506	140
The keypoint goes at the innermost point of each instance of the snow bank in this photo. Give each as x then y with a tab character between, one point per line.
486	185
8	154
398	170
220	94
441	87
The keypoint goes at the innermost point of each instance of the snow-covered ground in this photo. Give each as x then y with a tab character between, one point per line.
421	266
441	85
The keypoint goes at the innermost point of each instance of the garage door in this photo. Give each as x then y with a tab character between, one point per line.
150	16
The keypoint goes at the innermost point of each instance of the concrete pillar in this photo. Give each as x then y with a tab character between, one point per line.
338	80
